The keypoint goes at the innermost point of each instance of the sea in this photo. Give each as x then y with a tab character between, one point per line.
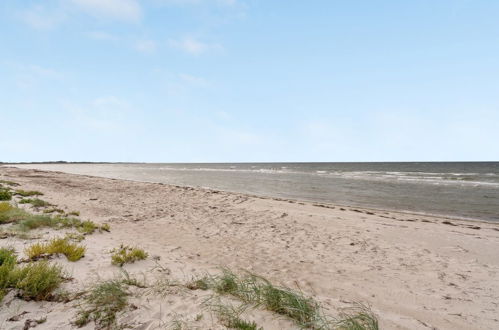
467	190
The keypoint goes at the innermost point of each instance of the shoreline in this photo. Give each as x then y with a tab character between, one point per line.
277	198
415	271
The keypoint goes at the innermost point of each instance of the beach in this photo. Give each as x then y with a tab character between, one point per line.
414	271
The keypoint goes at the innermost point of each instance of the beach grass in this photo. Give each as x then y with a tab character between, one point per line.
126	254
258	291
36	280
72	251
104	301
5	195
26	221
254	290
9	183
36	202
8	261
53	209
359	317
9	213
76	237
230	317
28	193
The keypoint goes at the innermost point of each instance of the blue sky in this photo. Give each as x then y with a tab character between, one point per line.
249	80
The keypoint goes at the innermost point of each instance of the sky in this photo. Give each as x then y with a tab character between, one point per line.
249	80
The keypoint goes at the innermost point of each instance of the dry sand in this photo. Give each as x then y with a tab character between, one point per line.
417	272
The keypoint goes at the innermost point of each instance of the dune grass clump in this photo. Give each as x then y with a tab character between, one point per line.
52	210
75	237
86	227
5	195
258	291
36	280
72	251
127	255
8	261
359	317
9	213
9	183
74	213
198	284
105	227
104	301
36	202
230	317
28	193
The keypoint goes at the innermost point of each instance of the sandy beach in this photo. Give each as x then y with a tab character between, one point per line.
416	272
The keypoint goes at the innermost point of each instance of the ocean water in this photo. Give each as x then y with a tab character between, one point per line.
463	190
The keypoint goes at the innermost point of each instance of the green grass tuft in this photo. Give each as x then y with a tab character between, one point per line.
35	202
230	317
9	183
9	213
36	280
8	261
5	195
359	317
75	237
86	227
255	290
105	227
73	252
52	210
28	193
26	221
126	254
198	284
104	301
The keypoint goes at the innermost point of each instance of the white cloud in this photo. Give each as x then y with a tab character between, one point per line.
146	46
193	46
40	18
125	10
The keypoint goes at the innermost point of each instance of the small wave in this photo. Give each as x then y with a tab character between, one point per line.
437	178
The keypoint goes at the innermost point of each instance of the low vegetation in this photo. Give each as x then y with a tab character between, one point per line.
9	183
126	255
35	280
102	304
8	261
359	317
25	221
36	202
28	193
306	312
72	251
5	195
52	210
9	213
76	237
230	317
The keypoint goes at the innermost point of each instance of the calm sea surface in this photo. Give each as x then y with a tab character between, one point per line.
464	190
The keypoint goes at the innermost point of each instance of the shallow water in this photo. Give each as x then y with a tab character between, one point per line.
463	190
